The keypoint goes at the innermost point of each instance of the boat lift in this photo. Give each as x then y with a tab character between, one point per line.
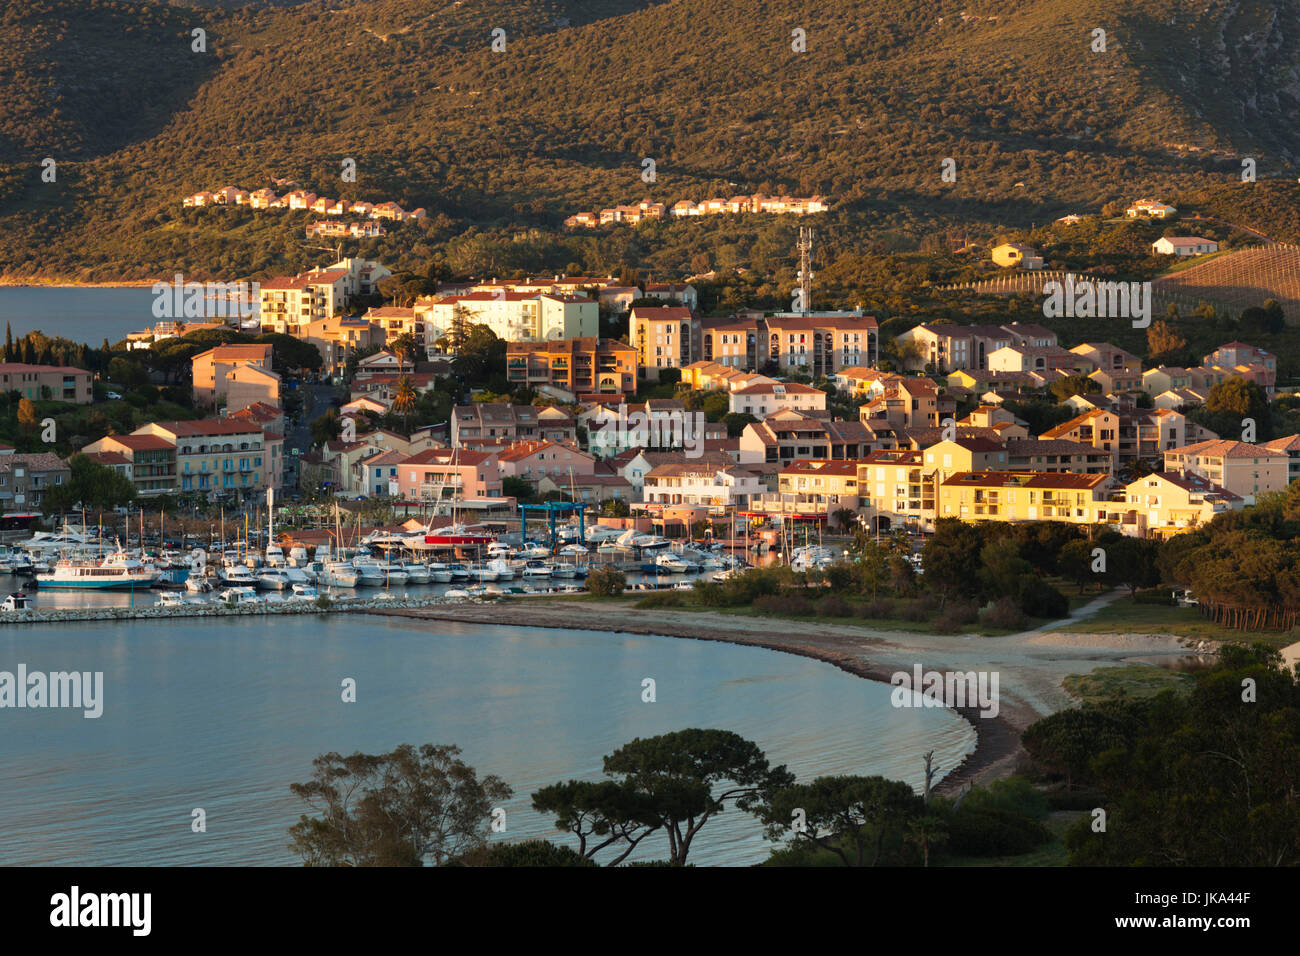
551	510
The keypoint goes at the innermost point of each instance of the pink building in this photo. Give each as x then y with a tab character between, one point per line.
532	460
447	473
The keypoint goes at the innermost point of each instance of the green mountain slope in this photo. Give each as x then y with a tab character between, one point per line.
1038	122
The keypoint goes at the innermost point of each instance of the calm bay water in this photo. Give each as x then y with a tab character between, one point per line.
87	315
225	714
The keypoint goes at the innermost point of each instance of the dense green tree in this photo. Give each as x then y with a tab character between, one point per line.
691	776
846	815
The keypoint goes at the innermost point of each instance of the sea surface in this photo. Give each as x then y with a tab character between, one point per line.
80	313
223	715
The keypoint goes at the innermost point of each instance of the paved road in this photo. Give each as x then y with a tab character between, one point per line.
315	401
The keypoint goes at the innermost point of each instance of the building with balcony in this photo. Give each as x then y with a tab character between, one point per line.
498	424
665	337
25	478
1025	496
585	366
59	383
896	489
457	473
512	316
1167	503
789	435
152	459
699	484
1244	469
220	457
811	488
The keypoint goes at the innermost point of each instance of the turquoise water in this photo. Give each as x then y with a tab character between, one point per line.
224	715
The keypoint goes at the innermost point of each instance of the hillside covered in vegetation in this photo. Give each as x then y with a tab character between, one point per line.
500	146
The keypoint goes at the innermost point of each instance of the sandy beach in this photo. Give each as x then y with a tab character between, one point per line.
1030	664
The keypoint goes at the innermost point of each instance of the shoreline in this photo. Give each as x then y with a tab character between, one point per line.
997	739
25	283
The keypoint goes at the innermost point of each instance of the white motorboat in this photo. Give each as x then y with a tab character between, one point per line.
239	595
273	579
18	601
504	572
238	575
536	569
275	556
296	575
171	599
303	592
671	563
456	594
369	574
439	573
298	556
481	573
601	533
458	571
417	573
339	574
198	583
394	573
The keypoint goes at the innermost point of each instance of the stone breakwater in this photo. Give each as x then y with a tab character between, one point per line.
52	615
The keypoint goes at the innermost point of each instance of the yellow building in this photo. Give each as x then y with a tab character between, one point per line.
896	489
1168	503
1025	496
664	337
1011	254
811	487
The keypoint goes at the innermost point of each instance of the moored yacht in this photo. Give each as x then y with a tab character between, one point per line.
273	579
114	572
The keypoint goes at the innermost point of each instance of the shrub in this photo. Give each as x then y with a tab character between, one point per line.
1039	599
710	594
662	599
1014	793
956	616
877	608
834	606
606	582
913	611
1161	596
994	831
782	604
1005	614
525	853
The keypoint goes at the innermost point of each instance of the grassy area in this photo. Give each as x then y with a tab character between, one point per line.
1126	617
1131	681
925	626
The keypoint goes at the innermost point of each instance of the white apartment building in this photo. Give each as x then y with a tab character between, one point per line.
512	316
289	303
700	484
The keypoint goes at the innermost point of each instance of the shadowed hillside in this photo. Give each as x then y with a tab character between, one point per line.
1038	122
